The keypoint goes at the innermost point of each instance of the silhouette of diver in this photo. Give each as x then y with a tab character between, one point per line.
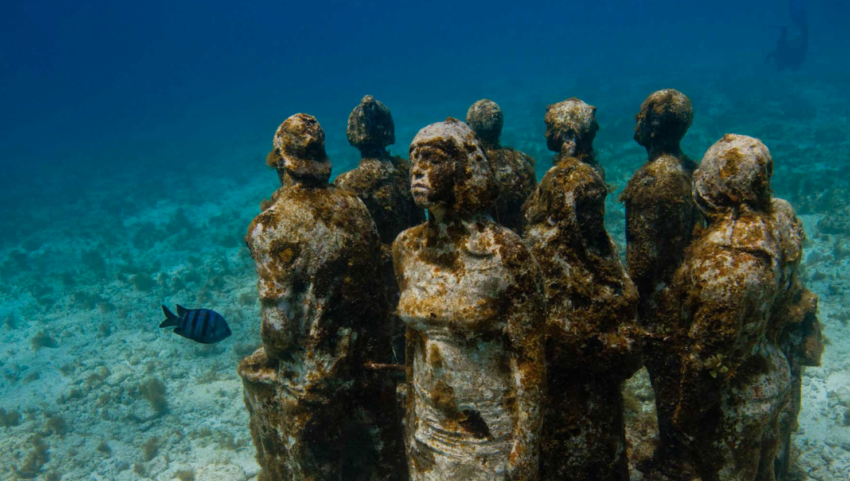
791	48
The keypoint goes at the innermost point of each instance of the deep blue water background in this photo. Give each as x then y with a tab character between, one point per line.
96	86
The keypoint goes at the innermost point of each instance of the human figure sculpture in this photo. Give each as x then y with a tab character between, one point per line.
513	169
564	122
591	343
383	183
317	412
734	380
794	326
472	303
660	219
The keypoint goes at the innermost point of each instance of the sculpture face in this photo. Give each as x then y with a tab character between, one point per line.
470	298
431	176
643	131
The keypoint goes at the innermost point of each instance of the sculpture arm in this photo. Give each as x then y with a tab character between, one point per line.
641	239
275	282
525	332
725	294
812	340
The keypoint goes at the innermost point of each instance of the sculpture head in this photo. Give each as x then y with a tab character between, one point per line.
299	150
571	127
371	128
449	171
485	118
663	120
734	175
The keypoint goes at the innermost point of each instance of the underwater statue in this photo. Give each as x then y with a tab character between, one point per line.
795	326
513	169
564	135
473	305
317	412
735	379
660	219
591	343
383	183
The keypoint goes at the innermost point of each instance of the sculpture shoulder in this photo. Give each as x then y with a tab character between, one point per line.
666	178
565	177
401	164
360	180
515	254
529	160
721	271
298	208
510	157
409	240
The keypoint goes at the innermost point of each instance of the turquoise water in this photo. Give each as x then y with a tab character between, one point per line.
132	152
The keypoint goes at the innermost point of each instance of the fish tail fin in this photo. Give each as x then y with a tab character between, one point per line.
170	318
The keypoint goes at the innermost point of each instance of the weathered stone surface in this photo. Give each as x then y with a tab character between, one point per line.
370	127
382	182
718	312
486	120
795	326
513	169
591	343
570	129
471	298
664	118
317	412
661	216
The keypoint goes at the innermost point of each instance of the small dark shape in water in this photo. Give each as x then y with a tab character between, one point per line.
201	325
791	49
798	14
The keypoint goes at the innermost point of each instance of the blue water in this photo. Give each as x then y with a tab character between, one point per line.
132	144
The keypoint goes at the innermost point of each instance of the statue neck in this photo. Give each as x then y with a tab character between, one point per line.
379	153
671	149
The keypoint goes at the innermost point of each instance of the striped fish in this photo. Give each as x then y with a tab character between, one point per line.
200	325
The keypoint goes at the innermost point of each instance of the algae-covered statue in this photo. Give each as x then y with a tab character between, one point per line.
660	220
316	412
473	305
794	326
513	169
734	378
570	130
383	183
591	344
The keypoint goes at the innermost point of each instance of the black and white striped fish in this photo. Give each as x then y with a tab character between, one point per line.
201	325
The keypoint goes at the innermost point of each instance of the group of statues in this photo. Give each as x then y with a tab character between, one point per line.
490	339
